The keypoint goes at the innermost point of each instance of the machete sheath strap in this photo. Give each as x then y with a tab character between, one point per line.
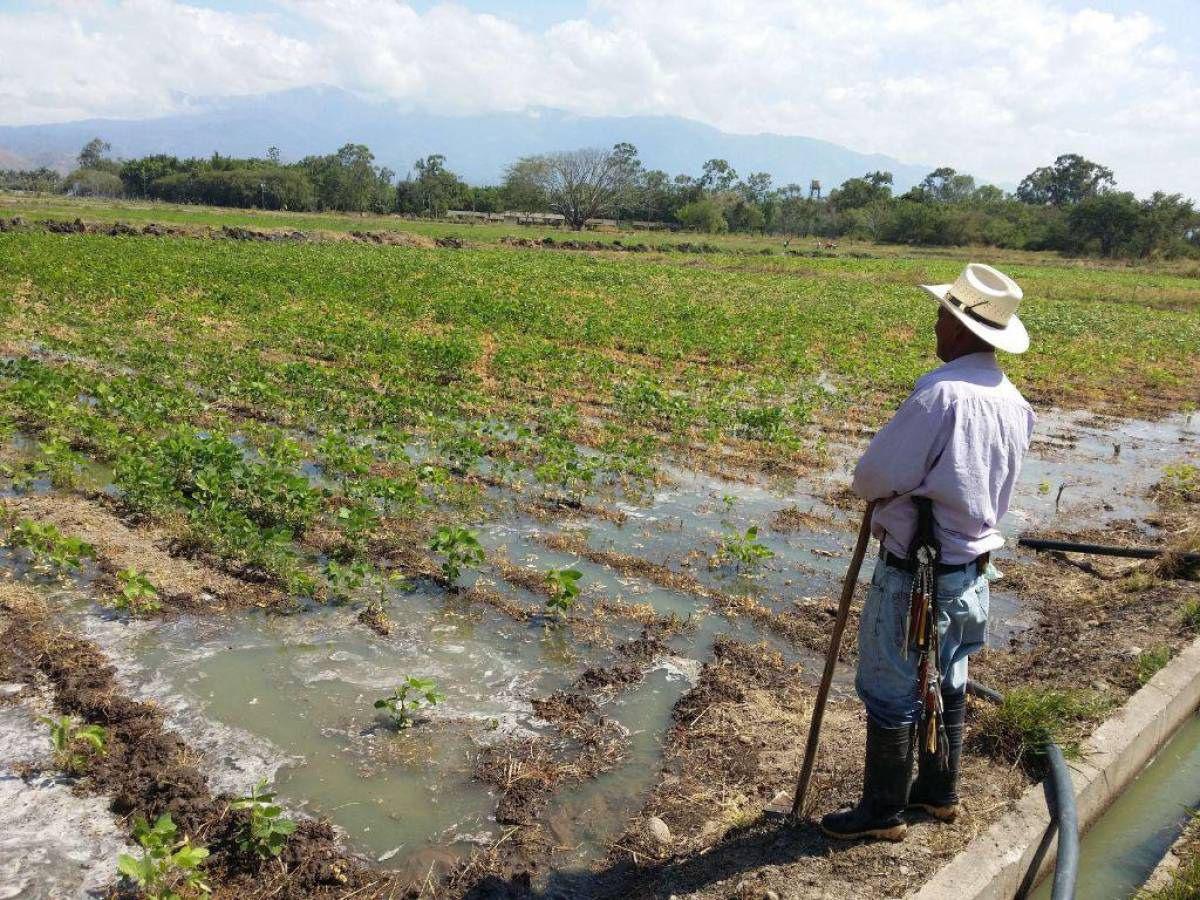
925	552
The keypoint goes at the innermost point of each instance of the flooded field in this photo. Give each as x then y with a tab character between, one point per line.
289	698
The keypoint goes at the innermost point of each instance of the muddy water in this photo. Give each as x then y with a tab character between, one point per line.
290	698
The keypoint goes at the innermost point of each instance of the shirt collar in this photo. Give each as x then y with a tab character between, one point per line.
982	360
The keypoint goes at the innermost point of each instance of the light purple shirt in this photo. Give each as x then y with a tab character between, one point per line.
958	439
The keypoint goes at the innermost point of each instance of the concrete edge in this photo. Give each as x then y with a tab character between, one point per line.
993	865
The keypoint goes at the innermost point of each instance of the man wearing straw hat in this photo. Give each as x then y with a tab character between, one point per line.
942	472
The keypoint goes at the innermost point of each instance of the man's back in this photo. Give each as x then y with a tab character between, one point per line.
958	439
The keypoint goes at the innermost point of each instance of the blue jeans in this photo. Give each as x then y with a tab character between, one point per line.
887	672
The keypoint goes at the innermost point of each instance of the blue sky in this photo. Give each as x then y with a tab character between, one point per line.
994	87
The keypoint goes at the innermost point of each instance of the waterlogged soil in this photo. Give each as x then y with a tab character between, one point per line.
563	746
147	770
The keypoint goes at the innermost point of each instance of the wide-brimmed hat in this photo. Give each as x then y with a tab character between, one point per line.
986	300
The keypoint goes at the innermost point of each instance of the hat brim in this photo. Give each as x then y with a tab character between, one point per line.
1013	338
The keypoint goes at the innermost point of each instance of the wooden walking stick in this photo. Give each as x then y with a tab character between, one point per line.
835	643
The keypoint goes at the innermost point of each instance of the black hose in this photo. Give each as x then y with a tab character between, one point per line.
1066	866
1064	818
1103	550
984	693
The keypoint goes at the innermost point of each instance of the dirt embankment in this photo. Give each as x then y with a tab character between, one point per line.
182	583
1098	618
148	770
229	232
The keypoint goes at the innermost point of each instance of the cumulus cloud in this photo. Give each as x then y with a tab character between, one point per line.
991	88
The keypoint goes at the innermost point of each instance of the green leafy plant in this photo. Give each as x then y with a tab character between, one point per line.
412	694
59	462
744	549
345	578
461	548
73	744
564	590
135	593
49	549
169	868
357	523
267	830
1150	661
1180	483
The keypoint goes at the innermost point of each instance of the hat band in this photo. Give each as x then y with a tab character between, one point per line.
970	311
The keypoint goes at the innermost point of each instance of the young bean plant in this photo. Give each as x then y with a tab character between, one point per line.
73	744
564	590
49	549
267	830
744	549
412	694
169	869
135	593
461	548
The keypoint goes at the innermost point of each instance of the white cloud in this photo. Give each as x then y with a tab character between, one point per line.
992	88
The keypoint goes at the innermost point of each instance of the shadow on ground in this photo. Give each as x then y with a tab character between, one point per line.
768	841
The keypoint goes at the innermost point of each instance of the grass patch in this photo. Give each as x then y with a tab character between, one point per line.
1184	883
1137	582
1151	661
1191	615
1020	728
1180	484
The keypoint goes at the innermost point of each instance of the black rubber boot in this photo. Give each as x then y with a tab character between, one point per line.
936	789
885	788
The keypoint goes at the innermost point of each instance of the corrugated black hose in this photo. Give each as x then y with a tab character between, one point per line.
1060	798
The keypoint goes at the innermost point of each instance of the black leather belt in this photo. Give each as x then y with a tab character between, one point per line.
979	563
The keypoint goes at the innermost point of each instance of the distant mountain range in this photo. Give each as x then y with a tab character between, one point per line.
320	119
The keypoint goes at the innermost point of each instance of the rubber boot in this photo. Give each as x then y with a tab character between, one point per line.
885	788
936	789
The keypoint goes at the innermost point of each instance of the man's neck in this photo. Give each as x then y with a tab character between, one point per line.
971	351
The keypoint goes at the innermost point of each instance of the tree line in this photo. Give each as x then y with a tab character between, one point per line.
1072	205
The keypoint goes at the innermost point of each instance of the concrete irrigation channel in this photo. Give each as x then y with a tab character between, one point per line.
289	698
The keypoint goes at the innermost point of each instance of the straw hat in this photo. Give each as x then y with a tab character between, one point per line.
985	300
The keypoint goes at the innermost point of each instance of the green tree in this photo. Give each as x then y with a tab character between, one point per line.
1069	180
93	183
744	216
93	154
945	185
578	184
434	190
1167	226
138	174
703	215
1106	222
349	181
524	185
718	176
858	192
